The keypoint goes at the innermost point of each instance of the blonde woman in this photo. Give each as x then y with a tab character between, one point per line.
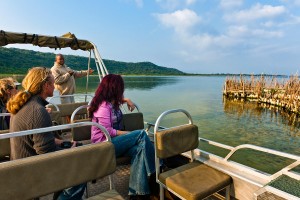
28	112
8	88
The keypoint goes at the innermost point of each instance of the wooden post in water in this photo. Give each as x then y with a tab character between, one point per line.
225	88
243	89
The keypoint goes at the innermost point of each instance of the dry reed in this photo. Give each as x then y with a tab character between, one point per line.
276	91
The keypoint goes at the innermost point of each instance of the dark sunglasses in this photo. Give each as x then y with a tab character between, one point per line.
10	87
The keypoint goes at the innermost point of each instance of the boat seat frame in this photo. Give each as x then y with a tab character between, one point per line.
175	141
58	170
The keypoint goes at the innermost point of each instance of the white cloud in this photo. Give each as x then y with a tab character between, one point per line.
289	21
228	4
293	20
258	11
266	34
180	20
244	32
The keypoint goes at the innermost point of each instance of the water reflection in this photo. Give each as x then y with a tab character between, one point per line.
131	82
250	110
148	82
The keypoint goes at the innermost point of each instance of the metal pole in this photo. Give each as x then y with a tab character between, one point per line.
87	77
97	66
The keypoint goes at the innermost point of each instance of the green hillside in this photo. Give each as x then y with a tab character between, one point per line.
17	61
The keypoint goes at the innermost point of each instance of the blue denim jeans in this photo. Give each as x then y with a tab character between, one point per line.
72	193
138	146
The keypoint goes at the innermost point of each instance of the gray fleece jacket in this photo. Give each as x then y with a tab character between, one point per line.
31	116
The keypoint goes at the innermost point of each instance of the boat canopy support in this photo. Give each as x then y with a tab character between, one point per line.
67	40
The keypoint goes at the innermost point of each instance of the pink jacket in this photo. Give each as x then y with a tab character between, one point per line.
103	116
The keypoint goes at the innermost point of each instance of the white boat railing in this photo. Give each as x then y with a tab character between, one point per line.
217	162
75	112
52	99
4	114
266	176
55	128
56	107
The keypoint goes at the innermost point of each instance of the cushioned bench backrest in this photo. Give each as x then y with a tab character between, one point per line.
44	174
83	132
4	145
55	116
66	110
176	140
132	121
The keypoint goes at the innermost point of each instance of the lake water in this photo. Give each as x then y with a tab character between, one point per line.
228	122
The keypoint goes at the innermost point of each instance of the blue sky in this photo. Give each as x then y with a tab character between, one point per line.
197	36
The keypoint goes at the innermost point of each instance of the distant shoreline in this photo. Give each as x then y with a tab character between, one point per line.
214	74
14	61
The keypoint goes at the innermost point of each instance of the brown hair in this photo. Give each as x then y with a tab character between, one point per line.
33	85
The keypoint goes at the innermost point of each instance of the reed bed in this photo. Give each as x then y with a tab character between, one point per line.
284	93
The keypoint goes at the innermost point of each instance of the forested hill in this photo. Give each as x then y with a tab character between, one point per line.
17	61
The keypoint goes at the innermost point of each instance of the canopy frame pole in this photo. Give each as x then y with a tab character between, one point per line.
97	66
88	74
99	63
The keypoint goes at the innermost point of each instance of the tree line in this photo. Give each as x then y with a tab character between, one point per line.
18	61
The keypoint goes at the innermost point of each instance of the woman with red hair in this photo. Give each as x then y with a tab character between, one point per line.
105	110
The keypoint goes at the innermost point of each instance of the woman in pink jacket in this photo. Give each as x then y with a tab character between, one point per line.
105	110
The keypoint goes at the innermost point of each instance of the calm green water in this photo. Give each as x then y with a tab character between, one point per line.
228	122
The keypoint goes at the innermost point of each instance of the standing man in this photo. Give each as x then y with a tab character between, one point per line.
64	78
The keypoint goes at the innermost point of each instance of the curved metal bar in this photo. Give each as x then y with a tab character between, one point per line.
216	144
285	171
100	59
97	66
136	106
169	112
68	95
56	107
152	125
88	74
55	128
76	110
156	127
99	63
4	114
